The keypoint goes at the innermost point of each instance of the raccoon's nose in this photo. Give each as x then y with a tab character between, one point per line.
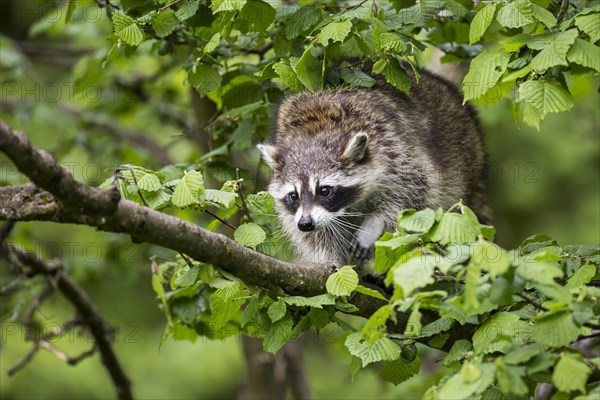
306	224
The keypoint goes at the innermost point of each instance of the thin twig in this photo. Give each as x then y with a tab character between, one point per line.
564	5
221	220
238	188
167	6
25	360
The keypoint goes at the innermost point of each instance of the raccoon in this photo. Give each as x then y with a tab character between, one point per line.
345	161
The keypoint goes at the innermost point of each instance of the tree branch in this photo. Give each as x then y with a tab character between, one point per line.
90	316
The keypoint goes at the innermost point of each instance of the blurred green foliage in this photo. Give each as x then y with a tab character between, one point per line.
57	86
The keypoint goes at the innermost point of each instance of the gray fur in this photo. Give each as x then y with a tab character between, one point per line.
388	151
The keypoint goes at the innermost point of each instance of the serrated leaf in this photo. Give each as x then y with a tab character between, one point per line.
126	29
555	53
288	76
158	199
164	23
458	388
308	69
335	31
250	235
187	9
484	72
454	228
226	5
515	14
570	374
545	97
581	277
399	370
260	203
259	15
301	20
395	75
421	221
495	334
590	24
213	43
357	78
224	200
584	53
376	324
204	78
278	334
314	301
391	42
188	189
457	352
523	353
149	183
491	258
342	282
543	15
277	310
382	349
556	330
481	22
414	274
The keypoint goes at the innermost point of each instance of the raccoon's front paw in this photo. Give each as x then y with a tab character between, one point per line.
360	254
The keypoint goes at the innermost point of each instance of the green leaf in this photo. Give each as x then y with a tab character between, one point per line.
543	15
382	349
225	200
390	42
495	334
204	78
484	72
522	354
454	228
335	31
395	74
421	221
415	273
149	183
556	329
584	53
260	203
250	235
288	76
515	14
545	97
70	9
581	277
570	374
590	24
126	29
398	371
357	78
225	306
314	301
462	385
259	14
491	258
278	334
213	43
370	292
308	69
277	310
301	20
187	9
555	53
164	23
226	5
457	352
481	22
188	189
342	282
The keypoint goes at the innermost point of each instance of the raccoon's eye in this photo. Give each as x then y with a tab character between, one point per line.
325	191
293	196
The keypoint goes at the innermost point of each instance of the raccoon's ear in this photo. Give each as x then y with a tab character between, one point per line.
356	150
269	154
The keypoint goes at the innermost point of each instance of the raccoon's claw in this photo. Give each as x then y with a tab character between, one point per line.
360	254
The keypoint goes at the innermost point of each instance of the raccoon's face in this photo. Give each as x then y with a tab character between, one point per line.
312	186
